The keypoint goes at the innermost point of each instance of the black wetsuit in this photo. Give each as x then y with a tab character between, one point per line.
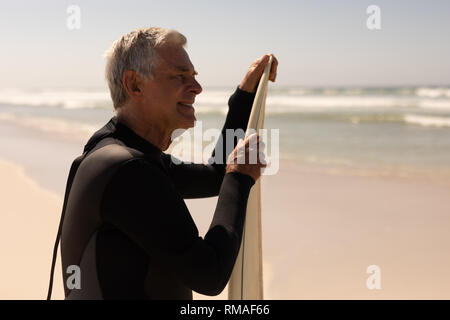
127	226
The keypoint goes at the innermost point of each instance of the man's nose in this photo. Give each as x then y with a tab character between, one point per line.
196	87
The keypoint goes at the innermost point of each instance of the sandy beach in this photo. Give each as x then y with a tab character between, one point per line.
29	220
321	230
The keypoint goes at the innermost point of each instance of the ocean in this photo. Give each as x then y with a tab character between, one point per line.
393	131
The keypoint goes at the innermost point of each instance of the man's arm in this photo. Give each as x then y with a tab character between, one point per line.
201	180
142	202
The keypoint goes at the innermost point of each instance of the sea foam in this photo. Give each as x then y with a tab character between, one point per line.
427	120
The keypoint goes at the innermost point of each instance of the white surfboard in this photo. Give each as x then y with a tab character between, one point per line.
246	282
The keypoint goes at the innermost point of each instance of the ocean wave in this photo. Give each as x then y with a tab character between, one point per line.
438	104
338	102
61	99
66	128
211	110
280	100
422	120
433	92
427	121
88	99
363	118
213	98
292	104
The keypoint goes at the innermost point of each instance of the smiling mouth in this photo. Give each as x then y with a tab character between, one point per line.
186	109
186	105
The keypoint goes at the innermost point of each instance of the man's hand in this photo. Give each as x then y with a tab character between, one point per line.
255	72
248	157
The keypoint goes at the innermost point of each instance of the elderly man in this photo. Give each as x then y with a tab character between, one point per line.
125	225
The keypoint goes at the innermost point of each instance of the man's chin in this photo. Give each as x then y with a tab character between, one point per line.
187	115
188	122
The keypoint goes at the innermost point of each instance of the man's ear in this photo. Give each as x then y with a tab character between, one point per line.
132	82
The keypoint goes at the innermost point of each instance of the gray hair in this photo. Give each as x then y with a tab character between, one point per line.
136	51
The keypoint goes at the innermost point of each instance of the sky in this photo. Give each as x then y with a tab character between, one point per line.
317	42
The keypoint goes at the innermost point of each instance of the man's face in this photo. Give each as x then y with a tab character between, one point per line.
169	96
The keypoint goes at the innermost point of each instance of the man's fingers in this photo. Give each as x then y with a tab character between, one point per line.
255	141
255	72
273	68
252	139
264	60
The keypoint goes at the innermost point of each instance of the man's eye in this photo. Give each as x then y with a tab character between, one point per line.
181	76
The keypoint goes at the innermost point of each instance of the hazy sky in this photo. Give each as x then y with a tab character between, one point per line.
317	43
